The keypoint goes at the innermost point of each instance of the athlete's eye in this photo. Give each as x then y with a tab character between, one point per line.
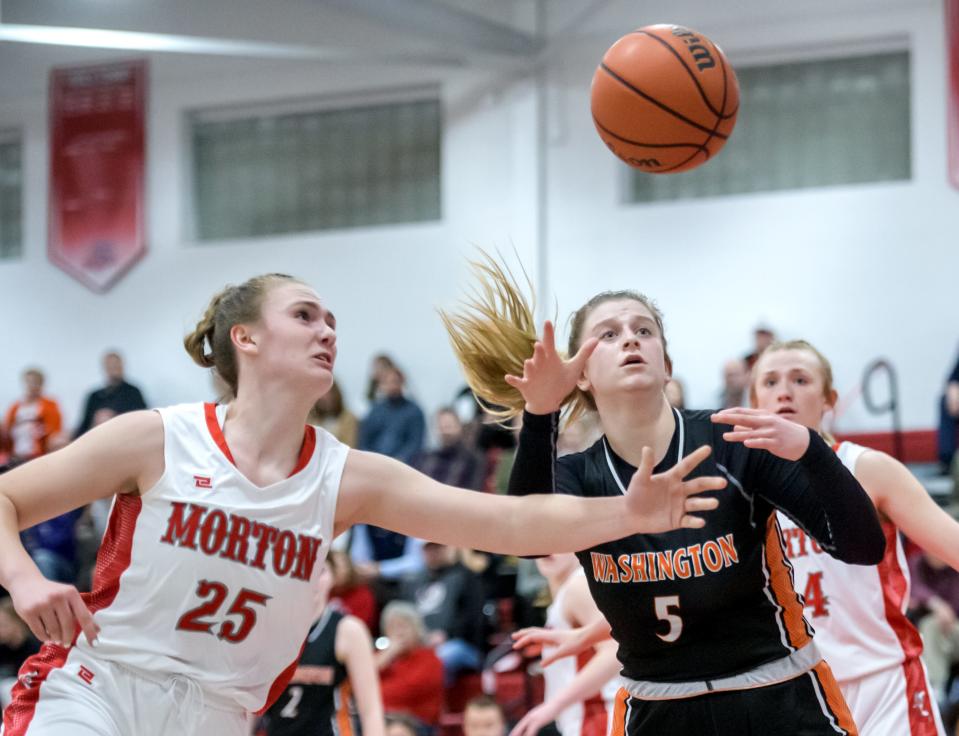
645	331
303	314
606	334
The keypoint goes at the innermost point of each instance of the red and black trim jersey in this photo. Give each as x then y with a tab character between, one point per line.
696	604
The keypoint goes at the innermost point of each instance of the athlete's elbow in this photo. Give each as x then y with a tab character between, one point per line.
868	549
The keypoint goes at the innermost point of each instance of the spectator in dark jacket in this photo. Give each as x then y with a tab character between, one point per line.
117	395
452	462
449	597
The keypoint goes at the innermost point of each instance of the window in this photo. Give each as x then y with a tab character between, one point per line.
807	124
276	171
11	195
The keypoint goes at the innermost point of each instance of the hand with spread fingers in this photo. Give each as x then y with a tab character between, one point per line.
665	501
763	430
547	378
567	642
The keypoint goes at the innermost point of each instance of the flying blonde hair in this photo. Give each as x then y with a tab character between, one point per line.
496	332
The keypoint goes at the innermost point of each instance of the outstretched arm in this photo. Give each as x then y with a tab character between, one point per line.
898	495
381	491
813	488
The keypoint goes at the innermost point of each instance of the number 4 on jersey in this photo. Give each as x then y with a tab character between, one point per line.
814	597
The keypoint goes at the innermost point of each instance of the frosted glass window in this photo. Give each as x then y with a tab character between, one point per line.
11	197
806	124
275	173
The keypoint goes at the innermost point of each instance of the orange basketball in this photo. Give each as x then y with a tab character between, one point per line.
664	99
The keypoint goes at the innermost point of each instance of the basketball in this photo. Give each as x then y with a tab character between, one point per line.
664	99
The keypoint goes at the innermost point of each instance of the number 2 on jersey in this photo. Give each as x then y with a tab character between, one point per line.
663	603
814	597
216	593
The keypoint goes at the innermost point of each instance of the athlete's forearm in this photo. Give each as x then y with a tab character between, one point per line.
601	668
15	563
848	527
533	467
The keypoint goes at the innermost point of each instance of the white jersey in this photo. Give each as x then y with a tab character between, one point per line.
592	717
859	612
210	577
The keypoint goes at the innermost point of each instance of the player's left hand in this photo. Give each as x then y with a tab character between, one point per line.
764	430
532	722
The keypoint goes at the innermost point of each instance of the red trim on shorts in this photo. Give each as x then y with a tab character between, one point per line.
216	432
112	560
920	703
895	592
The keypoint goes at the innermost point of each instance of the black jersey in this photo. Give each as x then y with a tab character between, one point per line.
701	604
320	709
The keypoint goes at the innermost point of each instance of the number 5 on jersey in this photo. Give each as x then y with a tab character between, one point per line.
663	603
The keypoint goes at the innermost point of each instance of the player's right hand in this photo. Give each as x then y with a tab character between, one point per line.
567	642
547	378
53	611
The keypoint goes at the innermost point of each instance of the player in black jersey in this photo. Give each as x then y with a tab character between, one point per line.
711	633
336	670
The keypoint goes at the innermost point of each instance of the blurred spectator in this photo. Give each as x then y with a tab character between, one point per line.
484	717
117	395
449	597
935	596
381	363
763	337
452	462
398	724
395	425
948	421
411	675
16	644
735	383
349	594
33	422
676	393
330	412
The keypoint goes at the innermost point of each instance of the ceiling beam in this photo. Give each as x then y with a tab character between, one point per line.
450	27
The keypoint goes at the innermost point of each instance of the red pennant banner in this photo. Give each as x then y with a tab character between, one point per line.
97	157
952	78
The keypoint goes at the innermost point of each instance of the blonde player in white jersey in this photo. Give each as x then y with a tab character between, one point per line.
203	592
859	612
581	690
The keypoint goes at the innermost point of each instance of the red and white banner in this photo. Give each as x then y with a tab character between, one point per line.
952	79
97	158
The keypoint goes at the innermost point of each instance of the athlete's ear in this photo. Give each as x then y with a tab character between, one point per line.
583	384
242	338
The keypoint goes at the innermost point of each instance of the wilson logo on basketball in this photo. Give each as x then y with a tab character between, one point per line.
203	481
702	57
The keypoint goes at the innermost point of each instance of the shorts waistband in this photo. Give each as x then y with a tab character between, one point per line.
771	673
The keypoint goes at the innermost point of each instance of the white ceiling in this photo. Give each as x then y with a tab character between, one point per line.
470	33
